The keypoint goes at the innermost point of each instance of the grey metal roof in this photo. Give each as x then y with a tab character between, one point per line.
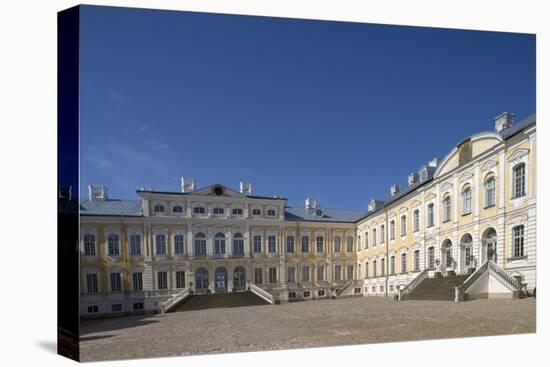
329	215
126	208
517	127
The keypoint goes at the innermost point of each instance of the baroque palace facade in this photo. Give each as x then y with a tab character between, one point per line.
477	204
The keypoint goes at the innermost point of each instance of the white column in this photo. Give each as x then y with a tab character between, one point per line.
190	247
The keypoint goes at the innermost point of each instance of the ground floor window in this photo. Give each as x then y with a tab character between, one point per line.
291	294
321	293
93	309
350	272
338	272
291	274
180	279
305	274
137	281
417	260
117	307
258	276
138	306
518	241
116	283
431	258
468	255
307	294
272	275
320	272
91	283
162	280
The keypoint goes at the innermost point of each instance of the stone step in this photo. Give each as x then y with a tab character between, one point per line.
220	300
437	288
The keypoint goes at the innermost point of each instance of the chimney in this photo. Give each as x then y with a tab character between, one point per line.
64	193
504	121
311	203
98	192
423	173
188	184
246	188
374	204
412	179
434	162
394	190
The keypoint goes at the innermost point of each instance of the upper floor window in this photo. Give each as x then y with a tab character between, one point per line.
467	201
135	245
490	192
416	220
200	244
237	211
320	243
256	211
518	241
431	258
238	244
383	267
519	180
416	260
199	210
218	211
430	215
158	208
272	244
177	209
403	225
271	212
257	243
447	208
366	240
305	243
404	262
219	244
160	241
374	268
113	245
374	236
337	244
382	233
290	244
178	244
392	264
350	244
392	230
89	245
366	269
91	283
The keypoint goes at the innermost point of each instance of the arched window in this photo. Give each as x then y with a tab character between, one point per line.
416	220
201	278
178	244
392	230
431	258
160	243
237	211
219	244
200	244
113	245
158	208
177	209
89	245
218	211
271	212
466	200
519	181
431	215
490	192
199	210
238	244
403	225
374	236
447	208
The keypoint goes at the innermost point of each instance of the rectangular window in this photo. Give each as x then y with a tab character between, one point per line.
200	247
430	215
320	273
117	307
382	267
305	274
403	225
137	281
374	236
350	244
416	220
113	245
305	244
366	240
180	279
320	244
382	233
91	283
374	268
392	265
271	244
350	272
257	242
403	263
89	245
417	260
468	254
490	192
272	275
290	244
135	245
162	280
258	276
392	230
367	269
291	274
431	258
447	209
466	201
518	241
161	244
178	244
337	272
116	284
519	180
337	244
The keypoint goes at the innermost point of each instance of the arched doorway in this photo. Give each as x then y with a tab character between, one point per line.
447	260
239	278
466	253
220	280
201	280
489	245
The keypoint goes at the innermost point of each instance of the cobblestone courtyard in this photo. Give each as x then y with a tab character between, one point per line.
299	325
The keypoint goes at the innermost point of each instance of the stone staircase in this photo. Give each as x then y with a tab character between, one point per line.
436	289
204	301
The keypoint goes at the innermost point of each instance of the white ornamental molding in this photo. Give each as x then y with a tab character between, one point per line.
517	155
415	203
488	165
446	186
466	176
430	196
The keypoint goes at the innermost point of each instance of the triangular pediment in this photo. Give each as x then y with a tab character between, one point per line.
488	165
518	154
218	190
466	176
430	196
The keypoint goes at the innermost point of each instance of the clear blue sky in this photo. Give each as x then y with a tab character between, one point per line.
333	110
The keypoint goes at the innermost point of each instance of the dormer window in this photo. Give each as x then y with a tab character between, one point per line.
237	211
158	208
218	211
256	211
271	212
177	209
199	210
